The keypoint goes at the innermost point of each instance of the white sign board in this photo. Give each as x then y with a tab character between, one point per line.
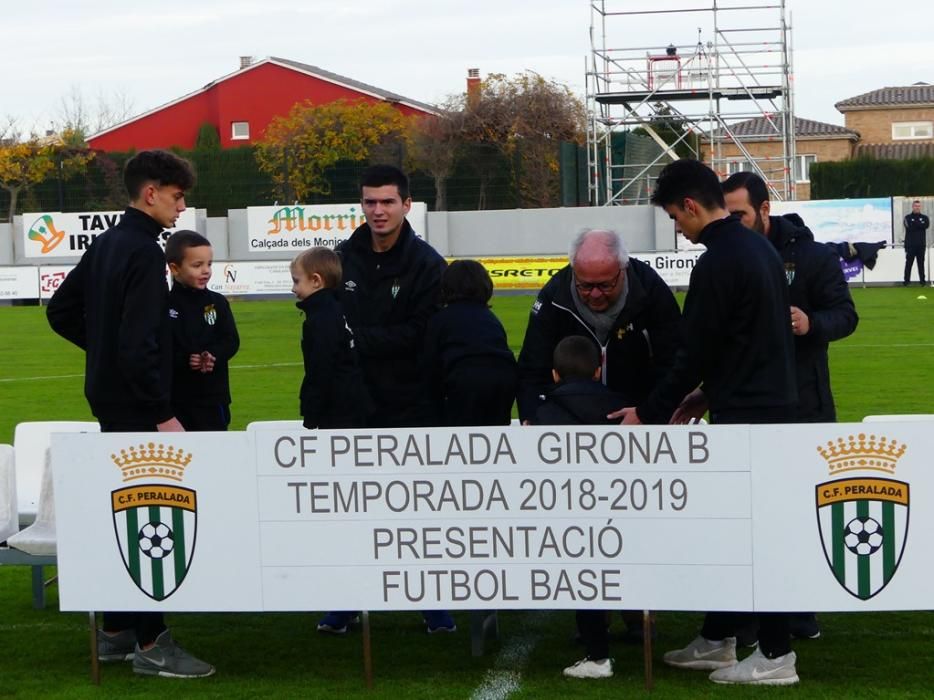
19	283
679	518
51	277
56	235
299	226
247	278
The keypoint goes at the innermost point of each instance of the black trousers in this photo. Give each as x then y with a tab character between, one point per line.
480	391
774	636
203	417
911	255
592	627
147	625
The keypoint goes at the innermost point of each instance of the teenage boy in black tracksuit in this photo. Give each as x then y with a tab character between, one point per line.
916	226
579	398
391	288
332	393
204	336
739	349
114	305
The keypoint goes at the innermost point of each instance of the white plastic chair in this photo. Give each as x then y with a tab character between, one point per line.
31	440
273	425
9	518
39	538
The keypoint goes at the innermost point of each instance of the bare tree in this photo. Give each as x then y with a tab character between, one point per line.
434	144
81	119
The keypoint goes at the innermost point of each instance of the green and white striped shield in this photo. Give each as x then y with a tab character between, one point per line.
863	527
156	527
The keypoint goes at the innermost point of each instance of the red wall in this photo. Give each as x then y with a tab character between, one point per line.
255	96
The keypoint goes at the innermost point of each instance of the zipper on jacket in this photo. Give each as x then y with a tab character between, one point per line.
593	335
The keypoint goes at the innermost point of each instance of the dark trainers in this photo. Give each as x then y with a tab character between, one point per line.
118	646
337	622
804	626
439	621
169	660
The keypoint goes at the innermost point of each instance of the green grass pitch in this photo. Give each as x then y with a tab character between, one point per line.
885	367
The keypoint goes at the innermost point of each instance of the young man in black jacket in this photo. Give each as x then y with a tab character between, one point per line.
204	335
739	349
114	306
392	281
579	398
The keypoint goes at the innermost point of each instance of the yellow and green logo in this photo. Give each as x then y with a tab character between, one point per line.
43	231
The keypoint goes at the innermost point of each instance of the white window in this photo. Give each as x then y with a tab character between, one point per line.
239	131
903	131
803	165
738	166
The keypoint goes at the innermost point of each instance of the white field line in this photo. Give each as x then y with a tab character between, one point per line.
505	678
76	376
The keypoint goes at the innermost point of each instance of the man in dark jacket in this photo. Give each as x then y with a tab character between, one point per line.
739	349
392	282
114	305
916	226
620	303
391	286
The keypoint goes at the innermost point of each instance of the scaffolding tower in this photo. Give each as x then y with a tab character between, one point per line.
650	104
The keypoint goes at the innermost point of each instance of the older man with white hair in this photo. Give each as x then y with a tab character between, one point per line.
618	302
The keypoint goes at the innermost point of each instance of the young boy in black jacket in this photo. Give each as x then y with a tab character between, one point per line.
204	336
332	393
470	370
579	398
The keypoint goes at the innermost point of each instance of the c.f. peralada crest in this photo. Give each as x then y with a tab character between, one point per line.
863	518
155	523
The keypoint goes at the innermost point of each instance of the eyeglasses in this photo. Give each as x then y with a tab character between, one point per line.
604	287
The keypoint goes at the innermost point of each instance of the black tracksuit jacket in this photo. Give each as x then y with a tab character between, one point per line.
639	351
916	226
201	321
470	372
114	306
737	325
816	286
332	393
387	299
579	402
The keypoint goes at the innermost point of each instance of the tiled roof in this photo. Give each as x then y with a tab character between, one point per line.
760	129
355	84
907	96
894	151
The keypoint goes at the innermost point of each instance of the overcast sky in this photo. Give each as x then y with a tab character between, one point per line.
155	52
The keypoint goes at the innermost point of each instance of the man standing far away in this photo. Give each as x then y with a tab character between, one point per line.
114	306
916	226
739	349
392	285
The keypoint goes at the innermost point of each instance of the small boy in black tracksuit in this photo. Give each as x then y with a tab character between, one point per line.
579	398
332	393
204	336
470	371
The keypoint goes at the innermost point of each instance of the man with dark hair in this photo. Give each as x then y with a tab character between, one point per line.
391	287
916	226
114	306
739	349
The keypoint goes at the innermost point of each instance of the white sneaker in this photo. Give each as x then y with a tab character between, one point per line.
704	654
757	669
588	668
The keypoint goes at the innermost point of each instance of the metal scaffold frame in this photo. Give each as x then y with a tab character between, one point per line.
697	99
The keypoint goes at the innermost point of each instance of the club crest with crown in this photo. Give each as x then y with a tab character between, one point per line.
155	523
863	517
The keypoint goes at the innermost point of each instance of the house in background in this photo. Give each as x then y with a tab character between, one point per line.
893	122
242	104
814	142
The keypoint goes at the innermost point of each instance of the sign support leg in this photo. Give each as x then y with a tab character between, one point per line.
367	650
647	619
95	662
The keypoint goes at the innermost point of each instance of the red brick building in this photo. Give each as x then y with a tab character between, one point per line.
241	105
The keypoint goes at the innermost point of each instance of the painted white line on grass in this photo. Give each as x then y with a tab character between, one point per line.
76	376
505	678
